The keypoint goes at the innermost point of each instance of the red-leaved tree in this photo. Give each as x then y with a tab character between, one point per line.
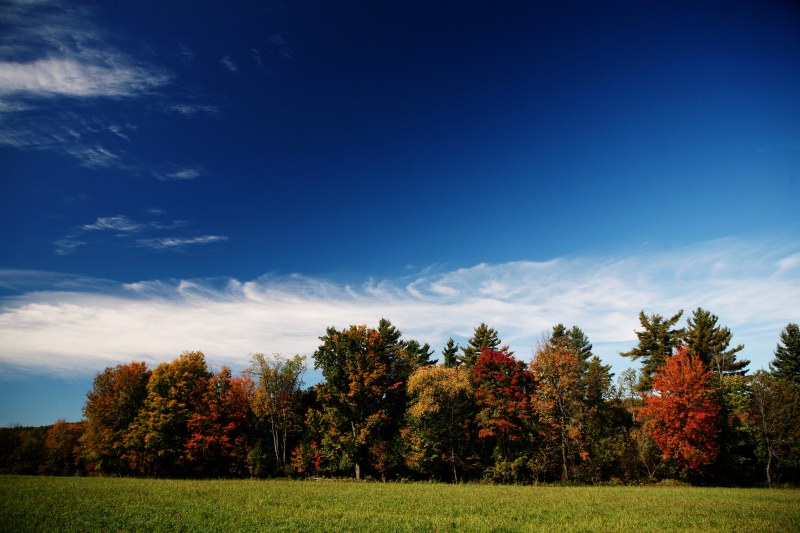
681	413
503	387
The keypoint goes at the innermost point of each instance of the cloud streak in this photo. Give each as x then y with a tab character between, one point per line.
54	57
76	77
750	285
183	174
178	242
228	63
123	227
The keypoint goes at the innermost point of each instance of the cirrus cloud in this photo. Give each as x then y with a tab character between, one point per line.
91	325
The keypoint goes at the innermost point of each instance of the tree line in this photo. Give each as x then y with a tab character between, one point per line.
386	409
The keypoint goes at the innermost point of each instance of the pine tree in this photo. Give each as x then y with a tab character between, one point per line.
709	341
423	352
786	364
573	339
656	343
450	354
484	338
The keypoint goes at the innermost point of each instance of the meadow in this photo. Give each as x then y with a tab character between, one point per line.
120	504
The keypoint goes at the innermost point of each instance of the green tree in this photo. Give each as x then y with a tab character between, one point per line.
735	461
709	341
775	414
423	352
275	401
450	353
483	338
363	397
573	338
112	406
657	340
606	424
786	364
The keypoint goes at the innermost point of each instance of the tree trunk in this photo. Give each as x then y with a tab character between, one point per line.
564	471
453	460
769	466
358	472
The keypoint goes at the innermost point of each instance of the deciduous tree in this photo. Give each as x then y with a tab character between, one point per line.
219	427
113	404
275	401
364	393
681	414
775	413
503	387
62	454
558	401
438	436
159	435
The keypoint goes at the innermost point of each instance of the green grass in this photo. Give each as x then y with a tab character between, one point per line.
115	504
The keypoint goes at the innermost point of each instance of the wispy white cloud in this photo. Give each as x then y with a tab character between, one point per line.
151	233
179	242
52	53
228	63
82	330
77	77
181	175
67	245
52	49
115	223
191	110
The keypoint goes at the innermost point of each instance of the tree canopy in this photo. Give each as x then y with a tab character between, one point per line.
786	364
657	340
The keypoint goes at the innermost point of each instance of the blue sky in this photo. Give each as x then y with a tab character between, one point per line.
236	177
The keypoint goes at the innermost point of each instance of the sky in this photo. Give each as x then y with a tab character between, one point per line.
235	177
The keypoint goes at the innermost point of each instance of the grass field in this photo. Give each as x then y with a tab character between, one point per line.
113	504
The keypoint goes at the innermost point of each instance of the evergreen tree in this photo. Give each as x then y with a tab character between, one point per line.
450	353
423	352
484	338
786	364
573	338
709	341
596	382
656	343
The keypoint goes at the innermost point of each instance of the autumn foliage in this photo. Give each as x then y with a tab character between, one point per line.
681	413
385	410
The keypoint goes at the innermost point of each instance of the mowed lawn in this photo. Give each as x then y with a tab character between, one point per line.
115	504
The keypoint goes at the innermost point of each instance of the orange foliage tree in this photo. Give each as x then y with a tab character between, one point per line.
112	406
681	412
218	429
558	402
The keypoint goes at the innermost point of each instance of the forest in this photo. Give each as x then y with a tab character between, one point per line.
386	409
